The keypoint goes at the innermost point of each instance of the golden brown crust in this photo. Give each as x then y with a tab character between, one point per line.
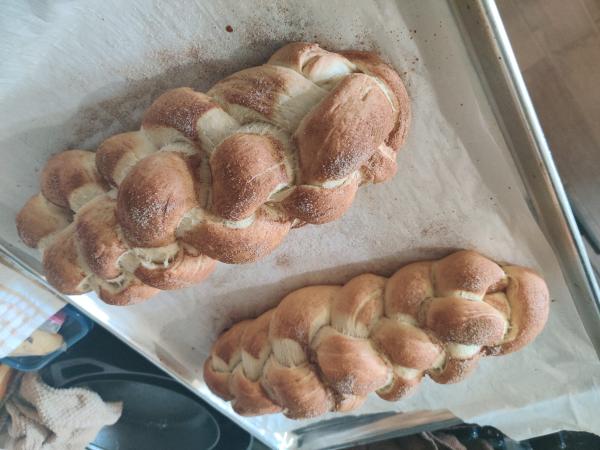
372	64
184	271
466	322
454	370
300	315
349	365
179	109
399	388
466	271
499	302
357	306
295	55
407	289
529	301
68	171
225	355
119	153
39	219
345	403
328	347
228	348
218	382
317	205
310	60
226	174
256	88
62	265
380	167
246	169
405	345
249	396
343	131
239	245
153	199
255	340
131	293
267	93
298	388
99	240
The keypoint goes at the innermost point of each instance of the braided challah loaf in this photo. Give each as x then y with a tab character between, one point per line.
218	176
324	348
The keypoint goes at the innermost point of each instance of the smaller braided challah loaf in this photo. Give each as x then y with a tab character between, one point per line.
218	176
324	348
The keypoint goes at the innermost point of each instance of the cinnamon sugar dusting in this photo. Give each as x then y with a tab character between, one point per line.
246	168
257	88
156	193
179	109
459	332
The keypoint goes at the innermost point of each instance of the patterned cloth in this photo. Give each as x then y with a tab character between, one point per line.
40	417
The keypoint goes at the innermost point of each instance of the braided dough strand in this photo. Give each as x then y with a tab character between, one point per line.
325	348
222	175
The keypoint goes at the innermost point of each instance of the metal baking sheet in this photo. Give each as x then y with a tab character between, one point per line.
493	58
474	173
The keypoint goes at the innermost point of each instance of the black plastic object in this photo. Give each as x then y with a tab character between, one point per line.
103	357
153	417
473	436
570	440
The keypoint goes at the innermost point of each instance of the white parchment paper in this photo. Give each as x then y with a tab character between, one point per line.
73	73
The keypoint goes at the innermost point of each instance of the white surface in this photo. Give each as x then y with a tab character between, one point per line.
76	72
24	306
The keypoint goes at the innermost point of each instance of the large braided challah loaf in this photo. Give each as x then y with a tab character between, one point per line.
324	348
218	176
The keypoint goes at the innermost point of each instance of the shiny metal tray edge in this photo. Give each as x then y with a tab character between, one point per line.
33	268
491	53
325	435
